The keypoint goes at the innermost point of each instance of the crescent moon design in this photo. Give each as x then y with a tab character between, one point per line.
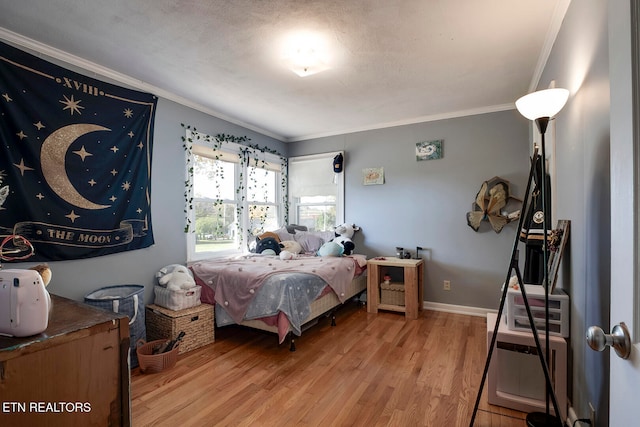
52	159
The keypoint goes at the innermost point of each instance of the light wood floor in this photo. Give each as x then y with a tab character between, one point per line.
369	370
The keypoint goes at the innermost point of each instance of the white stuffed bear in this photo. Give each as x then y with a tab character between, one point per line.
344	233
175	277
291	246
285	255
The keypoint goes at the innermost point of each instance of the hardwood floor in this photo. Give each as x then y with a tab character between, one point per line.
369	370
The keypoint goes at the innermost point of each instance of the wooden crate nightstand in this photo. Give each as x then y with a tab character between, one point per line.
196	322
413	275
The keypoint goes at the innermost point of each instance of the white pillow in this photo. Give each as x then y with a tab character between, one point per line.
283	234
310	240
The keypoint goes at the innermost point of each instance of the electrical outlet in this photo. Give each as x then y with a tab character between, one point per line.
447	285
592	415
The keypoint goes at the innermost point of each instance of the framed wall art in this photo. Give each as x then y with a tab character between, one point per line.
429	150
558	239
372	176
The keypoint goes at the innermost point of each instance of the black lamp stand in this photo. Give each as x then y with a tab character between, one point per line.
535	419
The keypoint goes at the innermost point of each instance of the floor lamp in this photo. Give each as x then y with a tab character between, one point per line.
540	107
530	107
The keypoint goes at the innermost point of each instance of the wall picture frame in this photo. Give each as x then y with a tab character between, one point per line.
429	150
372	176
558	239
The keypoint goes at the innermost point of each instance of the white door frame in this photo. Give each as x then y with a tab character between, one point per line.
625	191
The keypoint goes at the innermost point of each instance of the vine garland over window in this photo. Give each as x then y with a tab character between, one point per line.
249	155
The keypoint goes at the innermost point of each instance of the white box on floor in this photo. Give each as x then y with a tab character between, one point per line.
515	379
518	320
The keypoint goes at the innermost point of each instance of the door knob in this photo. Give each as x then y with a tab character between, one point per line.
619	339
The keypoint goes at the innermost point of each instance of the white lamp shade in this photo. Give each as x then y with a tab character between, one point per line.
543	103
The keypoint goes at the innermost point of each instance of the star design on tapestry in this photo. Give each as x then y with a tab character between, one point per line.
7	97
128	113
21	135
82	153
39	125
22	167
72	105
114	149
72	216
130	134
126	186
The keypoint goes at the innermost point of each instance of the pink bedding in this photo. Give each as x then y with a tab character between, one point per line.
233	282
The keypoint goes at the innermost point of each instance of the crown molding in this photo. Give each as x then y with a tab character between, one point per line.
552	33
421	119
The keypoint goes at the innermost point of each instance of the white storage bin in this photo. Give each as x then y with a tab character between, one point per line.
176	300
518	320
515	379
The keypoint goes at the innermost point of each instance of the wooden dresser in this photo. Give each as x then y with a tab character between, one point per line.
74	373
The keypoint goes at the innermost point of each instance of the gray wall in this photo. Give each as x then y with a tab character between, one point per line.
579	62
425	203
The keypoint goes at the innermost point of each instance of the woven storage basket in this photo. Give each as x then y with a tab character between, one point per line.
178	299
196	322
151	363
392	293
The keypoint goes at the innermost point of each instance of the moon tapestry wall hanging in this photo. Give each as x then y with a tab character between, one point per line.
75	160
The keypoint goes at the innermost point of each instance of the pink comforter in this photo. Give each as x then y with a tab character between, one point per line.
235	281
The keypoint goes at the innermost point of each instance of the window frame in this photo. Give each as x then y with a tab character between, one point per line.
340	200
201	145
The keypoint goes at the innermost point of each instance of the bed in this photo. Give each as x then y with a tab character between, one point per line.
279	296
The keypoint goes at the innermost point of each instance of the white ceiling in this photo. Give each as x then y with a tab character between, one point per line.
393	62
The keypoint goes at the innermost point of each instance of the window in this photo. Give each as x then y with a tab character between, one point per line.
316	192
235	194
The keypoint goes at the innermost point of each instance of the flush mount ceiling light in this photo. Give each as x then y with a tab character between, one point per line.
306	53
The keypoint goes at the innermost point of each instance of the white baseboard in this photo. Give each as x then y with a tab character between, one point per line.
458	309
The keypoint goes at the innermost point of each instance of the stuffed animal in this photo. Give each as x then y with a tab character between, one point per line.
291	246
269	234
286	255
267	246
175	277
344	233
44	271
330	249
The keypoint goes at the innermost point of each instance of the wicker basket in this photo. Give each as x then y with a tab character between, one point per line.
392	293
151	363
196	322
